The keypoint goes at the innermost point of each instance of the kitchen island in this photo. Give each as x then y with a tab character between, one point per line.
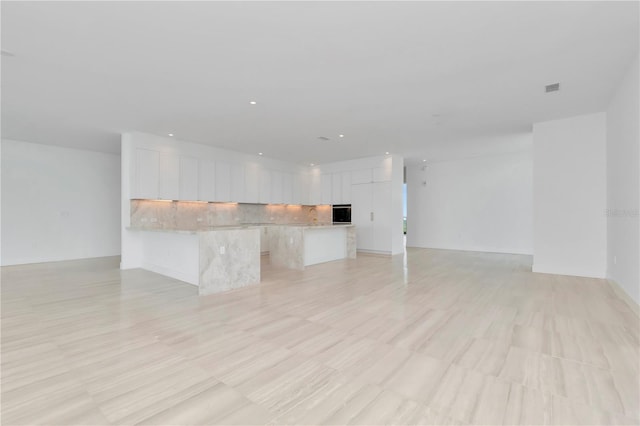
298	246
223	258
214	259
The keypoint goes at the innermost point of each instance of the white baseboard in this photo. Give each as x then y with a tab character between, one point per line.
576	272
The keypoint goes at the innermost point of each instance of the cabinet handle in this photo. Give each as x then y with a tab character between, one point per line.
371	216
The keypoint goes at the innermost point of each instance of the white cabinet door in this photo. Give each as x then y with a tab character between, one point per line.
147	173
336	191
252	183
381	202
287	188
361	176
346	188
223	181
169	177
362	215
276	187
301	188
265	186
325	189
207	180
314	195
237	183
371	214
188	179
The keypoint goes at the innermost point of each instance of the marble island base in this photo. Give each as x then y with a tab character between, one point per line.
214	260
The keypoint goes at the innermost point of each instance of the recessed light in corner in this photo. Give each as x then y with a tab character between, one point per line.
552	87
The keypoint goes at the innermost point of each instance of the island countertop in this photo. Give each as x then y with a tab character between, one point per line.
244	226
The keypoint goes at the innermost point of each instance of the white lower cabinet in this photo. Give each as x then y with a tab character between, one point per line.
371	214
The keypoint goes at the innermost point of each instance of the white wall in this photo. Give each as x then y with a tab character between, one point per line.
58	203
478	204
623	184
569	183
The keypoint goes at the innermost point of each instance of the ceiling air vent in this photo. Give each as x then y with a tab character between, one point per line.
552	87
323	138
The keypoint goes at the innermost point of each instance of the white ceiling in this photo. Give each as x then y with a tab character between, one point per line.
405	77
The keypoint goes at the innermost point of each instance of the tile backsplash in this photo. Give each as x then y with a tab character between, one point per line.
193	215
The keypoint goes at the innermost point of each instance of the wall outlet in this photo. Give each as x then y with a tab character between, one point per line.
223	250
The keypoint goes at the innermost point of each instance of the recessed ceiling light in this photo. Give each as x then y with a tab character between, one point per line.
387	153
259	153
311	164
424	161
253	102
170	134
342	136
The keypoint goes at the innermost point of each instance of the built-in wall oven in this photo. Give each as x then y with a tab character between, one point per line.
342	213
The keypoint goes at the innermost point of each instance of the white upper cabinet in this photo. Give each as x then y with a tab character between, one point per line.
313	187
223	181
189	179
265	186
326	188
169	176
336	192
346	188
301	188
252	183
237	183
147	173
381	174
287	188
361	176
276	187
207	181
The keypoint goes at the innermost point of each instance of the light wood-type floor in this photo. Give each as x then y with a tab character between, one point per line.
439	337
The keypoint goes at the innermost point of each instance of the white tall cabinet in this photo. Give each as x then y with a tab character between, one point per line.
371	213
